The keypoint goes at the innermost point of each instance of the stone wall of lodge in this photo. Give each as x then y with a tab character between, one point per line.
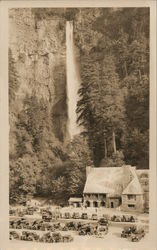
101	200
104	200
136	204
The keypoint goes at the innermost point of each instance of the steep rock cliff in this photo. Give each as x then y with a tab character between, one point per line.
37	44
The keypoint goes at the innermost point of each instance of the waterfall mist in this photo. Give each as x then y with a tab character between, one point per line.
73	81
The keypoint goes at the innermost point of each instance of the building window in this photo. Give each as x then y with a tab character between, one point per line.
131	205
95	204
131	197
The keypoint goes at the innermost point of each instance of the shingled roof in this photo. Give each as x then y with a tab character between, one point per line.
110	181
104	180
134	187
75	199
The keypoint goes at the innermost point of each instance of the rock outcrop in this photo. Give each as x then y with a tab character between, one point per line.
37	43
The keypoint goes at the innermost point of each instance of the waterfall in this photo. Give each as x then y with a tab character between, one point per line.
73	81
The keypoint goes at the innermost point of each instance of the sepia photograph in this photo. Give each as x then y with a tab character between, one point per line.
79	127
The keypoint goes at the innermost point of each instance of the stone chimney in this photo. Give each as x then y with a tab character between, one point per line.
88	170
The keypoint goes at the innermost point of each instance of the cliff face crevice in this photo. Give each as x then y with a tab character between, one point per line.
39	50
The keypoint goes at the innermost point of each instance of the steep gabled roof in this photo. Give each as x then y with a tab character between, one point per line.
104	180
134	187
110	181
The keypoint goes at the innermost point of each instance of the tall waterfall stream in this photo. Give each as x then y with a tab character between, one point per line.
73	81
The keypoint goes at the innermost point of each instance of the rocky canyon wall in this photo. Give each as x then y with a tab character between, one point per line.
37	43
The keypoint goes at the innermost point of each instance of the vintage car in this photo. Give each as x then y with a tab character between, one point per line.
64	228
86	229
12	224
46	238
103	222
46	216
116	218
21	213
57	237
50	227
29	236
133	219
84	216
93	229
67	215
137	235
35	236
43	227
18	224
106	216
37	225
128	218
22	223
94	217
113	218
26	236
67	238
15	224
40	224
79	225
127	231
12	212
26	225
101	231
30	211
71	225
57	226
34	225
57	214
76	216
14	235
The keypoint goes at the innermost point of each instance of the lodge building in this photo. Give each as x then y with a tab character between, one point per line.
117	187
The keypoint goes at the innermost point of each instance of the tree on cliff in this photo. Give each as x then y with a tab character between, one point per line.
13	78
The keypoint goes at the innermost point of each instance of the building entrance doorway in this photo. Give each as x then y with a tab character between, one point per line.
95	204
88	203
112	204
103	204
